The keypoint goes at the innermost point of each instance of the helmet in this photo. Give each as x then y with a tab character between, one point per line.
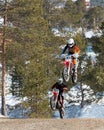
60	80
71	42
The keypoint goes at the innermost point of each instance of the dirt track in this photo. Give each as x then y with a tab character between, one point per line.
51	124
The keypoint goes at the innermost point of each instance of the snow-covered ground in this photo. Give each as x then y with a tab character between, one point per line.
89	111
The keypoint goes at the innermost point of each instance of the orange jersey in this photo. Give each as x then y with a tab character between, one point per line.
74	49
71	50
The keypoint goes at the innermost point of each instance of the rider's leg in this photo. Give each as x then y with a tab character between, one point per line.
62	100
75	65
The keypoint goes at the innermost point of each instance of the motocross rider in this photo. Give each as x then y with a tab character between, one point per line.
74	50
62	87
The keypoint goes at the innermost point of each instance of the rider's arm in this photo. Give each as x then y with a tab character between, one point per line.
65	87
65	48
77	50
54	86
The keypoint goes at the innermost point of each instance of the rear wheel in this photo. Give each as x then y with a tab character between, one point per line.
62	112
60	108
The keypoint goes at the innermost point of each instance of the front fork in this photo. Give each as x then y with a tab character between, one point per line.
70	69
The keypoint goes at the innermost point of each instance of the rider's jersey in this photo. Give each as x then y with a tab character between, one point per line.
71	50
61	87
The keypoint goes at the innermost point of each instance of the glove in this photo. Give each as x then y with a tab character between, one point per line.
62	56
75	55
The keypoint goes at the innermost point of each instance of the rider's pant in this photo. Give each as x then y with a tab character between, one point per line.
75	64
74	61
61	94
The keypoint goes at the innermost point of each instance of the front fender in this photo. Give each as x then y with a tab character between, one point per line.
66	63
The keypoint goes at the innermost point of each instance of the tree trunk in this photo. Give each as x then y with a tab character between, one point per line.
82	101
3	111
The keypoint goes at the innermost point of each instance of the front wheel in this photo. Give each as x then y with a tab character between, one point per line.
52	103
66	74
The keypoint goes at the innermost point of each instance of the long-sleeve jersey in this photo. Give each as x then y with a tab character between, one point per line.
61	87
71	50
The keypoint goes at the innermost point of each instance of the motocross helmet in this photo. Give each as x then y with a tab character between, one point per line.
60	80
71	42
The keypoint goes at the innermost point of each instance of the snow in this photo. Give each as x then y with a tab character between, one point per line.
1	21
92	111
66	32
73	109
12	100
74	0
90	33
88	111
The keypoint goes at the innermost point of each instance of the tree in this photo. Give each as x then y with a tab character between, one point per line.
75	12
98	43
29	56
94	17
3	53
69	16
93	75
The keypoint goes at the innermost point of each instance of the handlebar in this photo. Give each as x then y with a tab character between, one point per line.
66	56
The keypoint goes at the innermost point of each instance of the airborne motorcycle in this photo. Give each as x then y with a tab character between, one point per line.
68	69
56	104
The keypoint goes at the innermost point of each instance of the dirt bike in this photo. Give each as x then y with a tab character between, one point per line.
56	104
68	69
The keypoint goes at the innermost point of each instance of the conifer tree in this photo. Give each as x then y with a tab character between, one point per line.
94	74
98	44
29	56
